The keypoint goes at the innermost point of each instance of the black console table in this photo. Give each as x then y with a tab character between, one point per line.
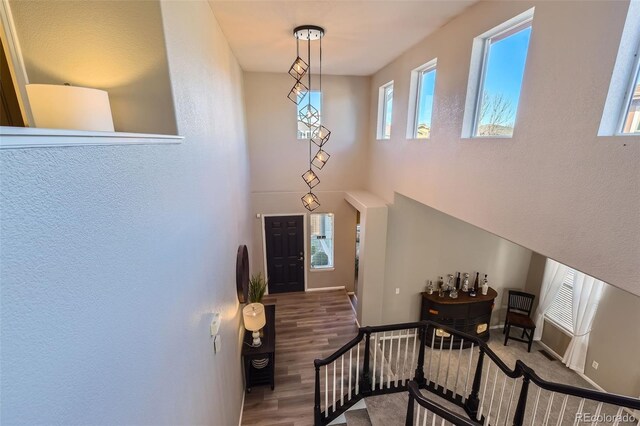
261	376
471	315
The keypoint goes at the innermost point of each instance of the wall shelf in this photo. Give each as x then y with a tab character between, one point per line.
27	137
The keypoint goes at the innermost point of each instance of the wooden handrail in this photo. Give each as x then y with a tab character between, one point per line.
595	395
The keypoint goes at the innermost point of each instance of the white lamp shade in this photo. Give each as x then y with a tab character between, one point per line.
69	107
253	315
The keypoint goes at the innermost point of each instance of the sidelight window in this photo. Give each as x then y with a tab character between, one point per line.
321	234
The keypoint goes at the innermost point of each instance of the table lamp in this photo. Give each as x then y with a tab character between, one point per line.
254	320
69	107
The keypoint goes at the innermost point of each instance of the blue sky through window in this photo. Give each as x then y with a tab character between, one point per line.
504	70
425	102
388	111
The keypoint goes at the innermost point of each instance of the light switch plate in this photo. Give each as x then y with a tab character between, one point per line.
215	324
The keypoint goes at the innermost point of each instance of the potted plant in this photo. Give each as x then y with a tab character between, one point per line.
257	288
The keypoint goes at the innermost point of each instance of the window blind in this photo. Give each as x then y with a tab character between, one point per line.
561	311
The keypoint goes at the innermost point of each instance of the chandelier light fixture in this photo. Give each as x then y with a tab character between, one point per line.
308	115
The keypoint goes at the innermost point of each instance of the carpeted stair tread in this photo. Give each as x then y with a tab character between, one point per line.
358	418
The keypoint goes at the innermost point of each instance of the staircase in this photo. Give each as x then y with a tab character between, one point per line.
472	385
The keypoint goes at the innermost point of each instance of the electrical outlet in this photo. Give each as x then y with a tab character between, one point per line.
595	365
397	290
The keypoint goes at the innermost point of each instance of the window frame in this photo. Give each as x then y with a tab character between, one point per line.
306	103
414	98
382	111
332	261
624	70
478	70
628	96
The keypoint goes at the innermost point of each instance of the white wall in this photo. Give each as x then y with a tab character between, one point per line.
278	160
115	46
371	260
555	187
423	243
113	259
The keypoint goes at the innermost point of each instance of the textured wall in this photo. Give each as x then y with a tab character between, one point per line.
555	187
278	159
423	243
113	259
115	46
614	340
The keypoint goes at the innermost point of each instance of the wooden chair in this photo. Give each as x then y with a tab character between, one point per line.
519	315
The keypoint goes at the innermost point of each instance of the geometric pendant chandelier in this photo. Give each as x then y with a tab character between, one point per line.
309	116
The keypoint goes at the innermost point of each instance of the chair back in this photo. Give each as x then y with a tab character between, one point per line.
520	302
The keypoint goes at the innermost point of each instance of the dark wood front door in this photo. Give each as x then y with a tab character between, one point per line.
285	253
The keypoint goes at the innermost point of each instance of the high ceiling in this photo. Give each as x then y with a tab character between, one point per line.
361	36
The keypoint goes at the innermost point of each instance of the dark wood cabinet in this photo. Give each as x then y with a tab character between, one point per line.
471	315
261	376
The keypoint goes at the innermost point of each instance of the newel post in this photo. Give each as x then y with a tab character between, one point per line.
409	421
518	417
418	376
473	401
365	378
317	414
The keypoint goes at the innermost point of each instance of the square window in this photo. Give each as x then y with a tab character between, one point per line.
303	110
423	82
385	111
321	227
495	80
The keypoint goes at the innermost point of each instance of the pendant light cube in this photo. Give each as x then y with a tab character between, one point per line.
321	136
299	68
298	92
311	178
310	201
309	115
320	159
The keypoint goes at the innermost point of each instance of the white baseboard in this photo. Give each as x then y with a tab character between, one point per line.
340	287
355	313
244	393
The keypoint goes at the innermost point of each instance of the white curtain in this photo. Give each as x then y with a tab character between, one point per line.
587	292
552	279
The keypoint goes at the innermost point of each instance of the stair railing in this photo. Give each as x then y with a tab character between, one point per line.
453	365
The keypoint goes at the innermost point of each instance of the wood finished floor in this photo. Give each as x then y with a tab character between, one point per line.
308	326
